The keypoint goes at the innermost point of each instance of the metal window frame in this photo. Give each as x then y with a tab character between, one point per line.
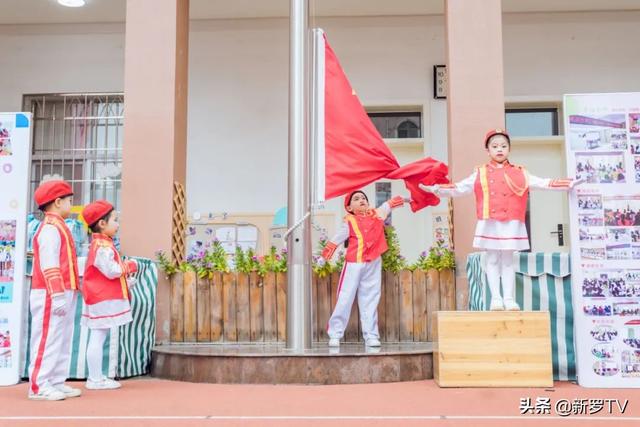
100	123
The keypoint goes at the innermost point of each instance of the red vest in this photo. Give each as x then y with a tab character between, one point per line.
67	257
366	237
96	287
501	192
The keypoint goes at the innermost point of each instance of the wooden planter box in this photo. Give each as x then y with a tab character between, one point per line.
239	307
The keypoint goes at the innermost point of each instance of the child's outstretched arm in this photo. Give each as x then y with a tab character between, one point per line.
553	184
341	235
460	188
385	209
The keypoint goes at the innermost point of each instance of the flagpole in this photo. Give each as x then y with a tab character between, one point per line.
298	203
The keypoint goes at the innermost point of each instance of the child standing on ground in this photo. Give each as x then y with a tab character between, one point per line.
501	191
363	229
105	289
52	301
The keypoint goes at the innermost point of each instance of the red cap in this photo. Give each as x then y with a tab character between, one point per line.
494	132
49	191
96	210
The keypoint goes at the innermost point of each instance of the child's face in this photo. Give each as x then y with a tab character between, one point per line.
110	226
498	148
61	206
359	203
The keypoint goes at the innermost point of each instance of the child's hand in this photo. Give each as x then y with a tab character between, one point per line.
576	182
406	199
396	202
59	305
430	188
328	250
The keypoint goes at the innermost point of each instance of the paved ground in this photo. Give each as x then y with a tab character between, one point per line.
152	402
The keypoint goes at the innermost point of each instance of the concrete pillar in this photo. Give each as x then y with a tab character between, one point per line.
475	105
155	130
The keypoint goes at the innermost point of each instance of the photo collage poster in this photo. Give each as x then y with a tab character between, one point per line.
603	147
15	142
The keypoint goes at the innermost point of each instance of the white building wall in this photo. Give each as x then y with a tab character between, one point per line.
237	154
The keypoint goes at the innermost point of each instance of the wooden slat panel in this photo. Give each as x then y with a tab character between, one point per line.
216	307
433	300
203	304
281	305
256	308
406	305
447	290
269	299
382	309
190	309
177	308
243	308
324	306
420	324
314	308
493	349
229	307
392	307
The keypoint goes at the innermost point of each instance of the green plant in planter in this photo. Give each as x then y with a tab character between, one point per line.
437	258
165	264
273	262
211	261
241	261
391	259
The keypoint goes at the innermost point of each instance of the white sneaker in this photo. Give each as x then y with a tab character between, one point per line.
372	342
511	305
47	393
496	304
69	391
103	384
334	342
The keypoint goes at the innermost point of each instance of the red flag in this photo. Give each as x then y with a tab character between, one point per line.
355	153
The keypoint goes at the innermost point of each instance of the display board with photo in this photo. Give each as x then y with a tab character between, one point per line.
603	148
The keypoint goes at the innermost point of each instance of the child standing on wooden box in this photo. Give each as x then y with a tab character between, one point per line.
363	230
54	289
501	190
105	289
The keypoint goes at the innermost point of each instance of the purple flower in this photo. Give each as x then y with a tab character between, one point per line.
216	240
255	258
209	265
284	251
423	253
208	231
190	258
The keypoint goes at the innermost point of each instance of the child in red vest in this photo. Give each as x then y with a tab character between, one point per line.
363	228
501	190
105	289
54	287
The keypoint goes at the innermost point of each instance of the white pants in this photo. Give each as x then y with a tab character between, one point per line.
95	352
50	340
500	266
363	279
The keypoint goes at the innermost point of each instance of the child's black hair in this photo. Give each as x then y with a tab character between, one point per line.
94	226
486	143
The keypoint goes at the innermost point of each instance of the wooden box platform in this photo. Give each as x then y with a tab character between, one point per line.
492	349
